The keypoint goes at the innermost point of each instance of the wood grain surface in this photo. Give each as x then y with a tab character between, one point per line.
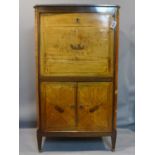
95	106
76	49
77	71
57	106
92	113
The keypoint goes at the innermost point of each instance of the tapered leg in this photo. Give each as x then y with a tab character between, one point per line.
113	140
39	140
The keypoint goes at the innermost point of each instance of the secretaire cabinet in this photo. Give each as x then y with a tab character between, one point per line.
77	67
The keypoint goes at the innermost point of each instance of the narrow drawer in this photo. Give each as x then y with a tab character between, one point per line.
76	19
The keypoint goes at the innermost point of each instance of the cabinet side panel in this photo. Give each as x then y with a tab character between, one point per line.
116	69
36	60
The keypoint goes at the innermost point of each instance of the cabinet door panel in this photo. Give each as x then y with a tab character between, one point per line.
57	106
95	106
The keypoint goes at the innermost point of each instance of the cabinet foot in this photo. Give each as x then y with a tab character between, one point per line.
39	140
113	140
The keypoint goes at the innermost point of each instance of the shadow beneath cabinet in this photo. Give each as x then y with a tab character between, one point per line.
73	144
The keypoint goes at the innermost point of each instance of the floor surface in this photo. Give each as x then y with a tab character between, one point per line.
79	146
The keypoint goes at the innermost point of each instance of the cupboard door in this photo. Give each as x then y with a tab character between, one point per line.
95	106
57	106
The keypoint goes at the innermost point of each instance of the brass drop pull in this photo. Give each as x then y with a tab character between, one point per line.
77	47
59	109
81	106
93	109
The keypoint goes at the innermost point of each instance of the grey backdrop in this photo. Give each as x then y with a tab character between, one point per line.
126	97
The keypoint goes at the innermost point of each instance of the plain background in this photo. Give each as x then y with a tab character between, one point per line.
126	97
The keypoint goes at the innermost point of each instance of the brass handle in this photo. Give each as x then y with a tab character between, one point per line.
96	107
81	106
77	47
59	109
93	109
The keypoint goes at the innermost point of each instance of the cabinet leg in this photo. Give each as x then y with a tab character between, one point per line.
113	140
39	140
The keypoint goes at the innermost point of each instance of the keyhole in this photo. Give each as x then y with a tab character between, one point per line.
77	20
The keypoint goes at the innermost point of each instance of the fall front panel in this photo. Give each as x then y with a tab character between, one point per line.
76	49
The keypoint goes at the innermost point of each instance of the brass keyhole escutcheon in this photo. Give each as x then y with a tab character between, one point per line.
81	107
59	109
77	20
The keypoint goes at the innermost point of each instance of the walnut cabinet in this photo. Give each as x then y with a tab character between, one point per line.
76	70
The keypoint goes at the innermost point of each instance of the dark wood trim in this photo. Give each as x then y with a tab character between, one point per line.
76	105
74	5
37	21
116	71
75	79
113	140
74	134
114	61
74	8
39	140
